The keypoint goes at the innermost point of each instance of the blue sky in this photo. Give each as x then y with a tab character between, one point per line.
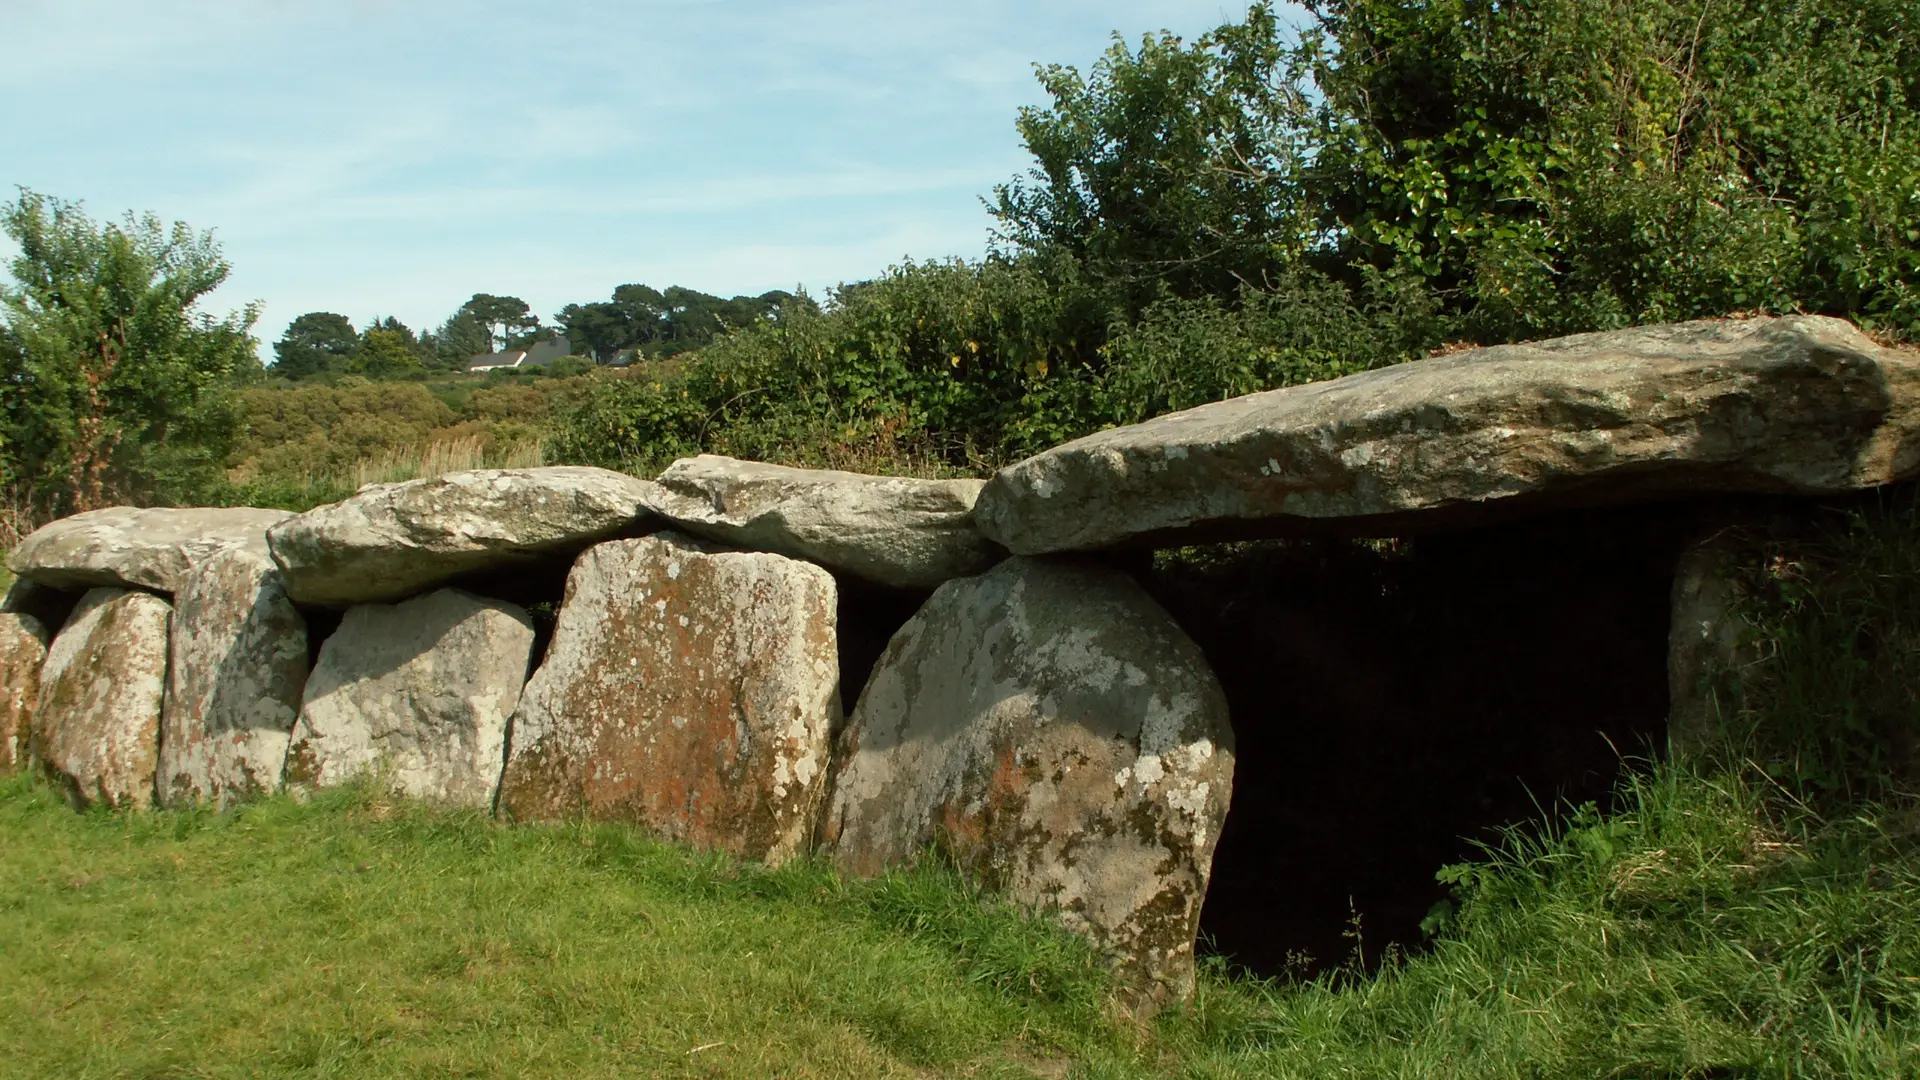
368	157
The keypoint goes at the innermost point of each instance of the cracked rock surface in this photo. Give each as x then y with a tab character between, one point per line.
23	650
238	664
416	694
129	547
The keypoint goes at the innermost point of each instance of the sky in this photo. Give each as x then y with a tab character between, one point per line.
382	157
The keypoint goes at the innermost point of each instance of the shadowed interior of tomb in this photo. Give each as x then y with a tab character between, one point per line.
868	617
1394	701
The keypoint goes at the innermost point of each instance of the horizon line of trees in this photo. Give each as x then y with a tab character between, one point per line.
638	319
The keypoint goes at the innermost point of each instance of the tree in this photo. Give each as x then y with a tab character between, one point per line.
1533	169
459	339
387	350
1576	164
504	317
639	316
1158	170
602	329
315	343
114	382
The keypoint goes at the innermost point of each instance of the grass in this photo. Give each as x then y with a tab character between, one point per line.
1698	932
314	487
1701	931
356	937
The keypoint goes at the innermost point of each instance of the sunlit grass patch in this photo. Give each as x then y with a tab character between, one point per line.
359	937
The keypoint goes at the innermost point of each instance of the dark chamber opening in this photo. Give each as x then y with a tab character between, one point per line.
868	617
1393	702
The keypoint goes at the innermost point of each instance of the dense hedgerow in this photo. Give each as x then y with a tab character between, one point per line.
1261	207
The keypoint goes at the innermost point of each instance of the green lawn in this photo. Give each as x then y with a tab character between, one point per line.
1697	933
356	938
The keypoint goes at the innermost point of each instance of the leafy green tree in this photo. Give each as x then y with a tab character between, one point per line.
662	324
1570	164
313	344
388	350
601	329
506	318
1538	168
462	337
1158	169
115	384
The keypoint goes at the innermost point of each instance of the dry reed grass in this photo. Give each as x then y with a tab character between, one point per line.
443	456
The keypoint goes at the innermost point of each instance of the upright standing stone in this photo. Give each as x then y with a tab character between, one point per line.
1707	646
1054	729
97	726
238	665
23	650
690	690
417	693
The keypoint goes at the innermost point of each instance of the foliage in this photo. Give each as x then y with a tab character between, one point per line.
646	321
1183	353
314	343
955	366
1258	208
1829	699
1700	930
507	319
1156	172
387	350
325	429
462	337
1576	164
1543	168
114	381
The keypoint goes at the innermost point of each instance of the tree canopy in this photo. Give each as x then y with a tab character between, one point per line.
114	380
317	342
1535	168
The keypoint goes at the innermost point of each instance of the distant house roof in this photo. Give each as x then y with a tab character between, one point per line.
510	358
546	352
540	354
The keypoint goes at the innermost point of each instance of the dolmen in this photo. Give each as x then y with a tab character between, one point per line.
1041	720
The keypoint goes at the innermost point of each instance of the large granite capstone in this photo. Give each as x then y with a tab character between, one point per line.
688	690
890	530
1050	728
128	547
391	541
415	696
96	728
1802	405
238	664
